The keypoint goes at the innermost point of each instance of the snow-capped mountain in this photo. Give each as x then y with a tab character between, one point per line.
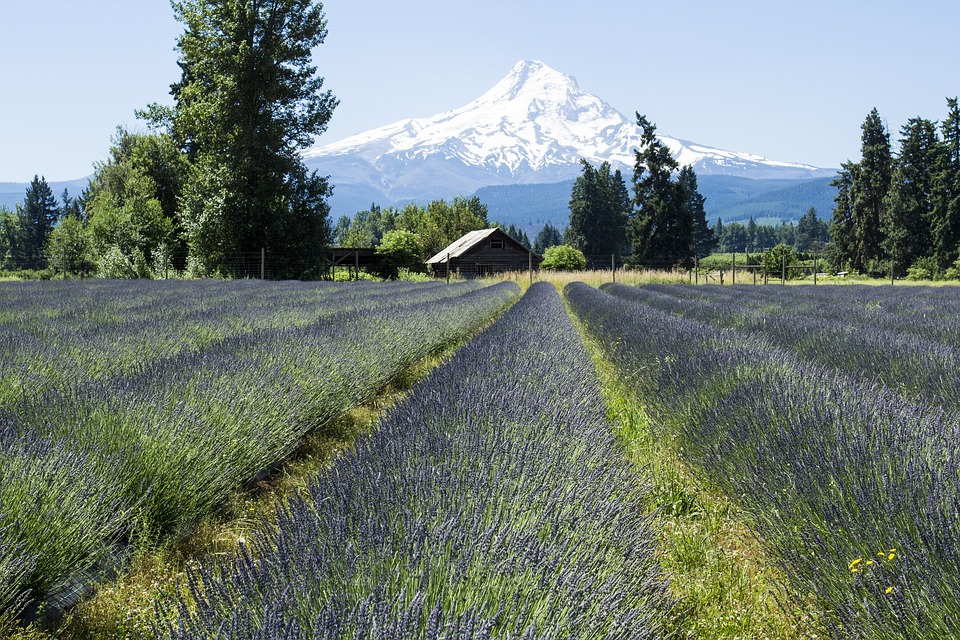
534	126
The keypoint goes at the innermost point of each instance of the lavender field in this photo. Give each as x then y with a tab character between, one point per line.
130	410
831	414
495	502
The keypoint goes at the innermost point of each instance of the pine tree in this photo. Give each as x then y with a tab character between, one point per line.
754	241
869	191
38	215
908	206
842	230
945	215
704	239
810	231
248	100
661	229
599	205
549	236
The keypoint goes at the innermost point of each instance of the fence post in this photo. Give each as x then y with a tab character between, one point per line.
613	267
816	256
733	270
448	268
263	262
891	269
64	261
530	264
783	275
696	265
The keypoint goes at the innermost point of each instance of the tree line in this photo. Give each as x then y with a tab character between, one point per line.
902	211
219	176
662	225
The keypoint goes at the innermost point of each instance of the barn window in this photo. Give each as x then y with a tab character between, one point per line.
496	244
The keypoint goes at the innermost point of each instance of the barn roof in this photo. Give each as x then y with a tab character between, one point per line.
461	245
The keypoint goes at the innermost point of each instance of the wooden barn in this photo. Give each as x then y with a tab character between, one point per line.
483	252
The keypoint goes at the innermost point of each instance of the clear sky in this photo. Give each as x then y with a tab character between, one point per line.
789	80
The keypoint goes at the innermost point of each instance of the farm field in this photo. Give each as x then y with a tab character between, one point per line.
131	409
498	498
831	414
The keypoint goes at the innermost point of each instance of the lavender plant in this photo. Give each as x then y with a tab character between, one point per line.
493	503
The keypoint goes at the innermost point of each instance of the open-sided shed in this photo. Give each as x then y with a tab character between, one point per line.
483	252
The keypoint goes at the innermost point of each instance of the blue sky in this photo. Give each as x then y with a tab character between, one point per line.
785	79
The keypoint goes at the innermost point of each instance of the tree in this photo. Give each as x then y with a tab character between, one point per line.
869	191
661	229
810	231
945	215
248	100
38	215
703	241
774	259
68	247
9	237
516	233
842	229
399	250
599	206
439	224
908	206
563	258
130	203
548	237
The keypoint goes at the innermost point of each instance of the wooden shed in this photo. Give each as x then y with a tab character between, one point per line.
483	252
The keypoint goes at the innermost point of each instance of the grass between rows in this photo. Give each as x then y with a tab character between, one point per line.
725	583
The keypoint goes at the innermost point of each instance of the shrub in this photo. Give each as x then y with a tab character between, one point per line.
563	258
923	269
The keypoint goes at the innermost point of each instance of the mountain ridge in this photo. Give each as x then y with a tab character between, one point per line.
532	127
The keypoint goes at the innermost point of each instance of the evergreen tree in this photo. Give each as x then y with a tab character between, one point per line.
754	241
945	215
661	229
548	237
870	186
599	206
718	231
704	240
38	216
248	100
908	206
516	233
842	229
810	231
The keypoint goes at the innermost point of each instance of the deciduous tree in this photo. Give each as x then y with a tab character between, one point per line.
248	100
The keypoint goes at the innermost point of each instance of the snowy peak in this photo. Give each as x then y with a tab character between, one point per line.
533	118
534	125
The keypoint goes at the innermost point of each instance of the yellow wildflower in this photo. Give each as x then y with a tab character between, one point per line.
889	589
853	565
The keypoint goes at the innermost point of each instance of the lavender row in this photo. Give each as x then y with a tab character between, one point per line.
885	352
57	334
493	503
87	467
852	487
